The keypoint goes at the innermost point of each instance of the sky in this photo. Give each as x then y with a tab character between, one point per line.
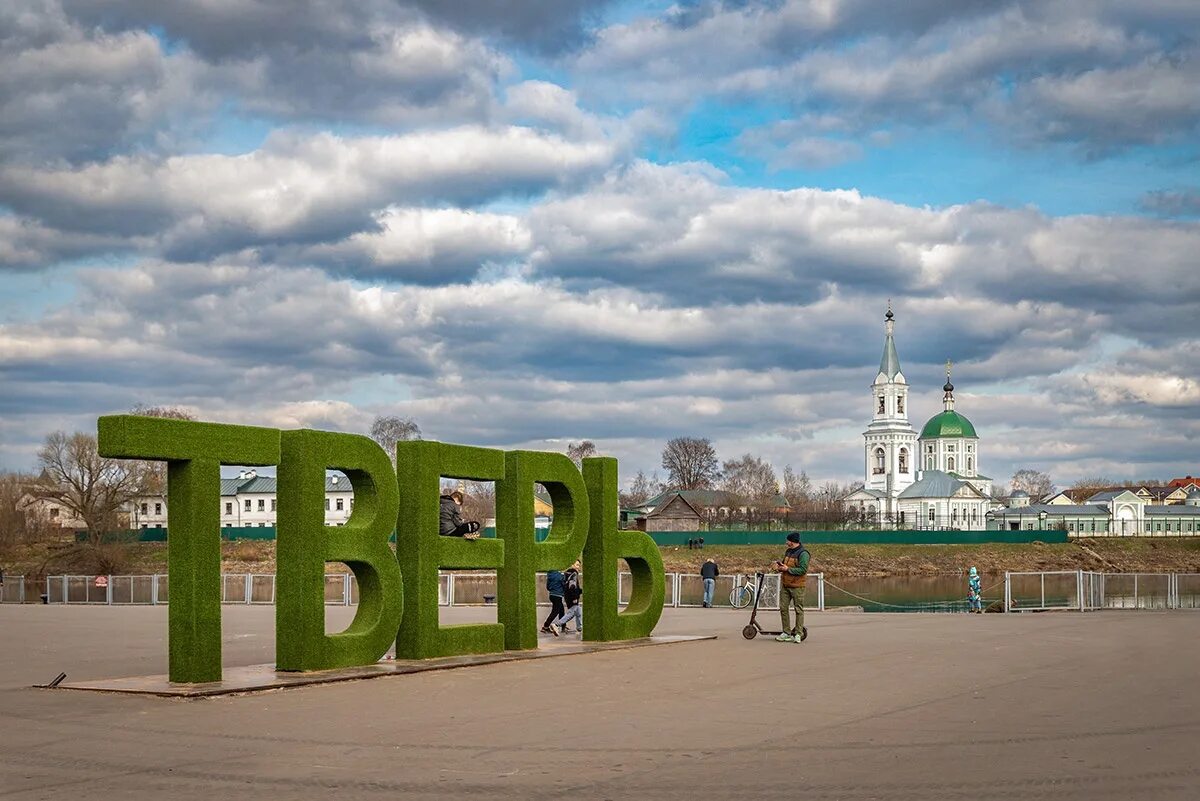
524	224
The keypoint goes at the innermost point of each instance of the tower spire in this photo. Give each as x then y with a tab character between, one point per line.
948	398
889	365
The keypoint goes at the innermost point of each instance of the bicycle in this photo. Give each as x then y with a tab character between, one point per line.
742	595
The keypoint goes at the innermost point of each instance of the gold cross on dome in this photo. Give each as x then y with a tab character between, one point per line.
948	365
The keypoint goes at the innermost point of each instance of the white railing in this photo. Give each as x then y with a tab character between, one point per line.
341	589
12	590
1023	591
1077	590
1081	590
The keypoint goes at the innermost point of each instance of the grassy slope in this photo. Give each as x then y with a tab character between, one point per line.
1126	555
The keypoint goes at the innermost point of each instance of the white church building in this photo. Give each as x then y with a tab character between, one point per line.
930	481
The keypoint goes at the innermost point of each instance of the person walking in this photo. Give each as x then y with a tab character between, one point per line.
450	520
974	592
793	575
709	572
555	587
573	598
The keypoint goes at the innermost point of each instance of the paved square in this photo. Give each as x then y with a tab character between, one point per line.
1061	705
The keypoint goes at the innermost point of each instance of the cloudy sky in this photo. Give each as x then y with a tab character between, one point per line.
525	223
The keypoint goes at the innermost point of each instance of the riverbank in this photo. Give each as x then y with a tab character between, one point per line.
1129	555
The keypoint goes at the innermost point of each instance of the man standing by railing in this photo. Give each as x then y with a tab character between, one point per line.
793	575
709	572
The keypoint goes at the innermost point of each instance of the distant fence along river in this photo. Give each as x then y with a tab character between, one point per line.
945	593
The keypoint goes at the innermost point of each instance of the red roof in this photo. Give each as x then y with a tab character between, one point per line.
1183	482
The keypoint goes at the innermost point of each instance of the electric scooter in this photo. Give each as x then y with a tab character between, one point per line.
753	629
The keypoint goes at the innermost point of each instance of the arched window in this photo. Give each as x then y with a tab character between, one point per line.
950	464
879	457
970	465
899	404
881	406
930	514
904	460
929	463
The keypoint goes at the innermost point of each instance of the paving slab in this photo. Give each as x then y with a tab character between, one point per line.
924	707
260	678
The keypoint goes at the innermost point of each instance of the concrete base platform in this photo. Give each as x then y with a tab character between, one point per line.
259	678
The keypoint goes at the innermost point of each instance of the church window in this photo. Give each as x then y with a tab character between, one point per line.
970	465
904	460
929	448
902	519
930	514
970	448
950	463
929	463
950	447
881	407
878	462
899	404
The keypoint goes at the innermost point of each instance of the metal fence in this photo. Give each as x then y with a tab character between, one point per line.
1023	592
1084	591
341	589
12	590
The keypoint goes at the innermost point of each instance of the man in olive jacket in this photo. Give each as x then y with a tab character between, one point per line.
793	575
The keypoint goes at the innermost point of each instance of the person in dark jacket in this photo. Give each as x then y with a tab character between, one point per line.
573	597
450	521
709	572
554	586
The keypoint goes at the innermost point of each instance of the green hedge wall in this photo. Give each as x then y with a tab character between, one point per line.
194	453
524	556
421	552
606	545
305	544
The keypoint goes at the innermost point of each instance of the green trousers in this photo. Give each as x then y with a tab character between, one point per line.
791	596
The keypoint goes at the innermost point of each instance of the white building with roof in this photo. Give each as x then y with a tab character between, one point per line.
1121	512
250	501
928	481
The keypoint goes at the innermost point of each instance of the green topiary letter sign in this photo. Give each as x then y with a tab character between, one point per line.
194	453
305	544
516	582
421	552
605	546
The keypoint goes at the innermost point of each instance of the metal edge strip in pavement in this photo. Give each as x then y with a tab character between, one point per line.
260	678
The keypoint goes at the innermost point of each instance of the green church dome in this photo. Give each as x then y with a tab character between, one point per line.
948	424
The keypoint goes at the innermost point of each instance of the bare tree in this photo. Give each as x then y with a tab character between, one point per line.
641	490
154	480
578	451
479	501
167	412
749	478
21	522
387	430
92	488
1034	482
691	463
797	488
1085	488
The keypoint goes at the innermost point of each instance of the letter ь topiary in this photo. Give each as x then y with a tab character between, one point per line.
523	555
422	552
605	546
194	453
304	544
